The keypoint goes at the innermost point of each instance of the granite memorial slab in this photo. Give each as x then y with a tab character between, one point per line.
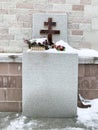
50	83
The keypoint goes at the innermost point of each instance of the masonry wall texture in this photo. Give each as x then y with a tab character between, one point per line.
16	21
11	84
88	81
10	87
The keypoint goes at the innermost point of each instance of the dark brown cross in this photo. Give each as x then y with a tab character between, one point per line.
50	31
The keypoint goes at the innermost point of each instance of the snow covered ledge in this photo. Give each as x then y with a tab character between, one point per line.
88	60
11	57
17	57
85	56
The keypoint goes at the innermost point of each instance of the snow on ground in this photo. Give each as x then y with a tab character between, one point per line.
89	116
87	119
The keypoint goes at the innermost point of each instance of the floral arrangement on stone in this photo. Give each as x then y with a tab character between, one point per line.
43	44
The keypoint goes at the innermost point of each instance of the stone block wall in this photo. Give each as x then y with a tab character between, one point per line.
88	81
10	87
16	21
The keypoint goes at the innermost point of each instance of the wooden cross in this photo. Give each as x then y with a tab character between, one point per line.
50	31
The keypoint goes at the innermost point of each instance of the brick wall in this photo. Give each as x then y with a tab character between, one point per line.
88	81
16	21
10	87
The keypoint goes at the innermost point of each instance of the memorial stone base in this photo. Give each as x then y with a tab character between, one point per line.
50	84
